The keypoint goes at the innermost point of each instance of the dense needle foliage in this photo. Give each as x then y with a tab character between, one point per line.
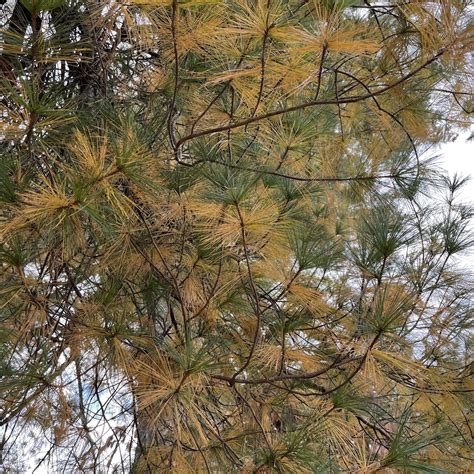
224	244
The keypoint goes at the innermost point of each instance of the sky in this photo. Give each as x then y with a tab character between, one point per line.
457	157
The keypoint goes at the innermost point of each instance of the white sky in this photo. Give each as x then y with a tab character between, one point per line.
457	157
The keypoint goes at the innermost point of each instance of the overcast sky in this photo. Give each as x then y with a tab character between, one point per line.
458	157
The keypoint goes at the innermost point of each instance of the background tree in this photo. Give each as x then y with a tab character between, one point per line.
223	243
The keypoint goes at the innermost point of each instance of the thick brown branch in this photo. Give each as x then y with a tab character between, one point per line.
313	103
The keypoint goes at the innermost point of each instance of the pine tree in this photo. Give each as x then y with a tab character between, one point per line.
225	245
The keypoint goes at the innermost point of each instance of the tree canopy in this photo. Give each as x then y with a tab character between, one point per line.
225	244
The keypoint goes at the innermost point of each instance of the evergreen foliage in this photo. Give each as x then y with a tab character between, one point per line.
224	242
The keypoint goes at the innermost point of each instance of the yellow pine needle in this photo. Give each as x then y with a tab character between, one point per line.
91	154
308	297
